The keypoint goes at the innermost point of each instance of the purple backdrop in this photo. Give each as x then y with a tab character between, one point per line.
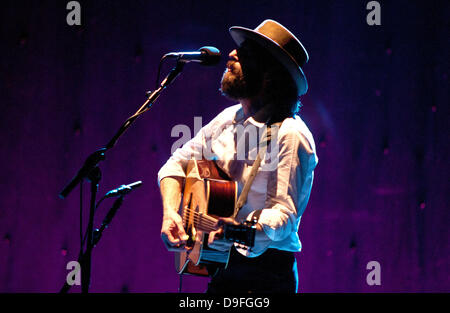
378	106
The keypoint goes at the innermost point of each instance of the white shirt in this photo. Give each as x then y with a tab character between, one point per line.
281	192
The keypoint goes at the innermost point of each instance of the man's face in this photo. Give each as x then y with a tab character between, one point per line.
243	77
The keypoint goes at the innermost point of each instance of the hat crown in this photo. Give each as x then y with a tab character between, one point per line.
285	39
281	43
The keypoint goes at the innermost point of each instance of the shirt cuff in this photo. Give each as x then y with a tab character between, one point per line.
170	169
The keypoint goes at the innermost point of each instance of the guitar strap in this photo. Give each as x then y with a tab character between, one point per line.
265	141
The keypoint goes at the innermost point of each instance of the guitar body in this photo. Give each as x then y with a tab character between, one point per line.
208	194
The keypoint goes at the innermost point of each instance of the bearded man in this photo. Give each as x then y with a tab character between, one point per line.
264	74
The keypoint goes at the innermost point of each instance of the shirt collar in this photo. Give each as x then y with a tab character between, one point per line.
239	118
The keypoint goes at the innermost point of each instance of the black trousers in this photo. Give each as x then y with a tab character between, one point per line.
274	271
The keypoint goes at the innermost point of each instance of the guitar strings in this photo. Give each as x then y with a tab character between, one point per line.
203	223
202	227
201	219
208	219
212	219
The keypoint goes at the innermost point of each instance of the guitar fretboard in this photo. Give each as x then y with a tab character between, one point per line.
200	221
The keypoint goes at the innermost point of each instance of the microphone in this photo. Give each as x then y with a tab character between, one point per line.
123	190
205	56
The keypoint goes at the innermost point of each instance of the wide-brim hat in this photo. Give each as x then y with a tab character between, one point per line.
282	44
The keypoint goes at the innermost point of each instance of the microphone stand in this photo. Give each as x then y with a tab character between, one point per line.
96	235
91	171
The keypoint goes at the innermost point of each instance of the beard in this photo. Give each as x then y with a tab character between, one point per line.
237	85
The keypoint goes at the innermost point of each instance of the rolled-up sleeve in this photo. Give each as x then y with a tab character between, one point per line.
176	164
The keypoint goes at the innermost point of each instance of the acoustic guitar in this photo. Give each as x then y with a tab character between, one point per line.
209	194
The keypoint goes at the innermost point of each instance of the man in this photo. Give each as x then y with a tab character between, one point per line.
265	75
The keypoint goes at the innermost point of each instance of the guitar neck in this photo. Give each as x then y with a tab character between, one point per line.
200	221
243	233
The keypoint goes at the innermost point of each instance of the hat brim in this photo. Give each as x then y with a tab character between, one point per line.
240	34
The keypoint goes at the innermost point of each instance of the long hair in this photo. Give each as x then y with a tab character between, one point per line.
279	89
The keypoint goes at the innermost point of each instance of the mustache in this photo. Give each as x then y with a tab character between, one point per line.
231	67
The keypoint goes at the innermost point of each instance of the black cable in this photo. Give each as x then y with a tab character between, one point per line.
181	283
95	210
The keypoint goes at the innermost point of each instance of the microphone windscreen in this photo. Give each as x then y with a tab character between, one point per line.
211	55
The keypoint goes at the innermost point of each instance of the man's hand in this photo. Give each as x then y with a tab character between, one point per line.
172	232
215	238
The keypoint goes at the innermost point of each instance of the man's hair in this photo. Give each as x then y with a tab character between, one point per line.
279	88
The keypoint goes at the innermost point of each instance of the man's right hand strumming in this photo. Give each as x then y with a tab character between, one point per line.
172	231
